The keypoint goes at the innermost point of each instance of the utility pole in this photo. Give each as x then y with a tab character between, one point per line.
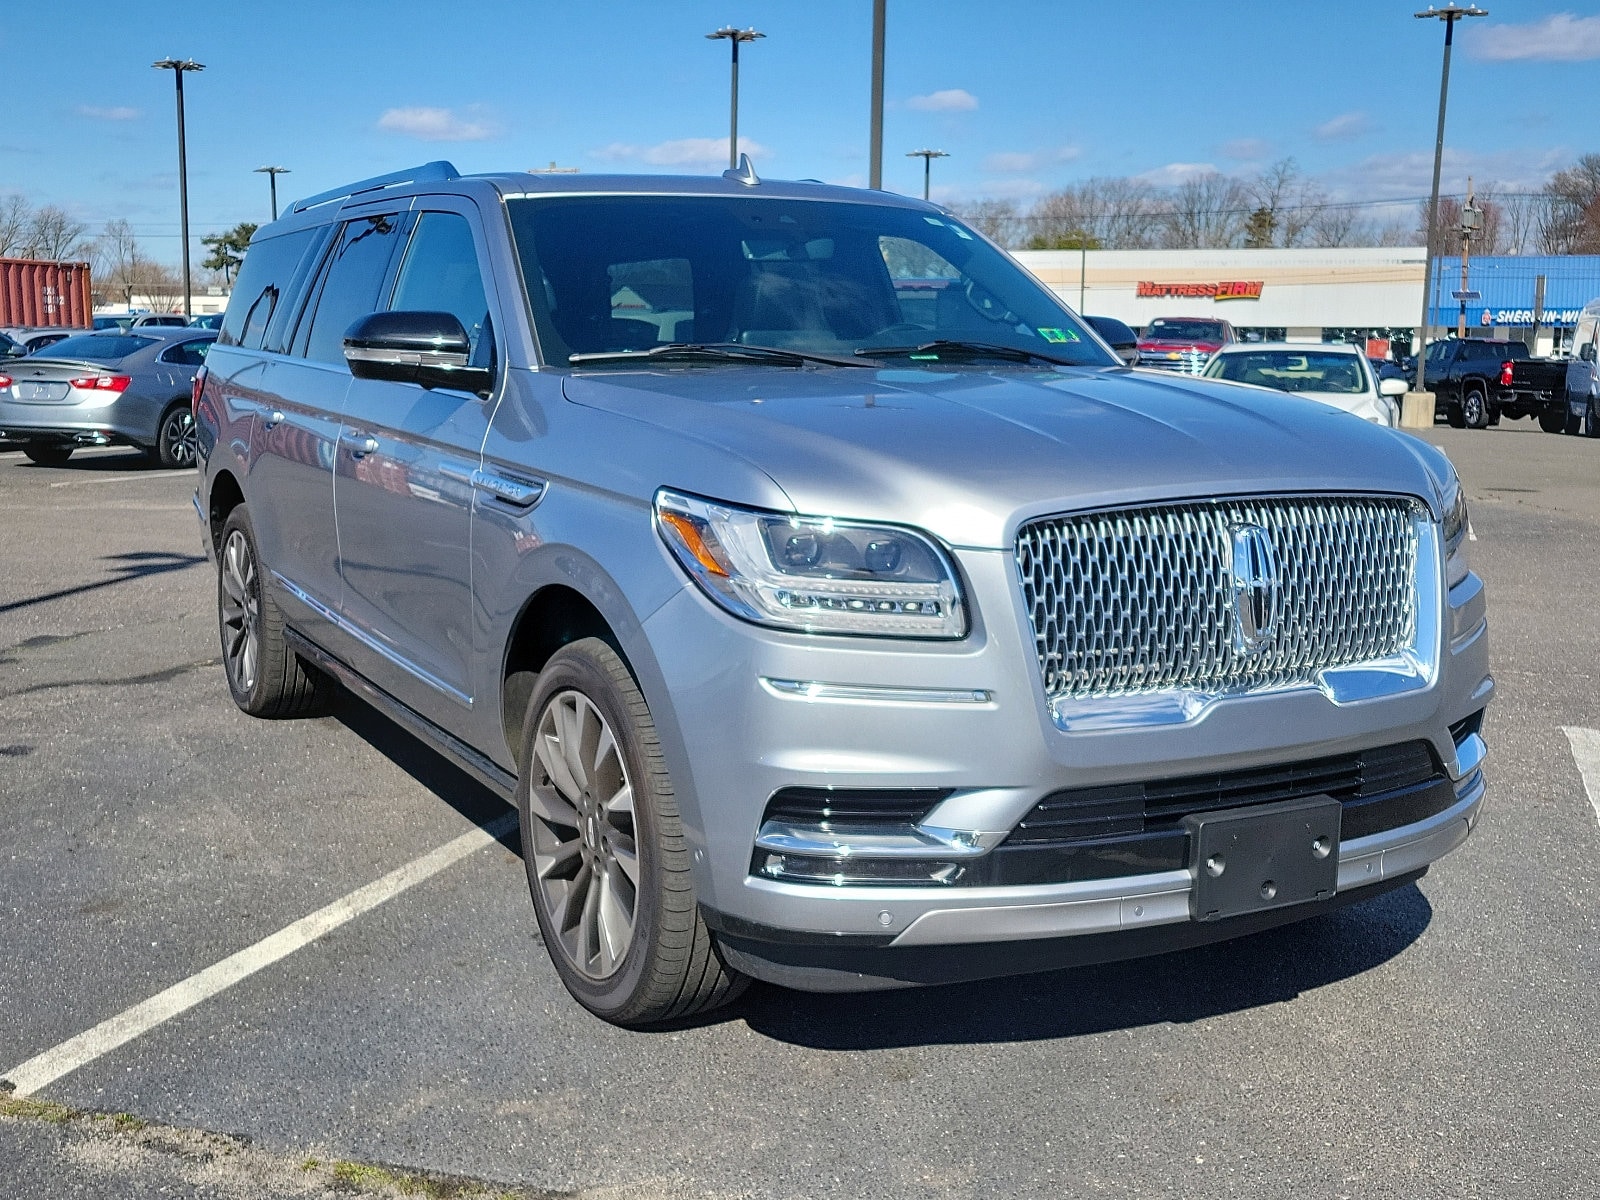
178	67
1449	14
875	152
734	37
1471	223
272	174
927	157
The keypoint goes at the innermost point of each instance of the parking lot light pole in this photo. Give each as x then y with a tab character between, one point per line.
272	174
875	136
927	157
1449	14
734	37
178	67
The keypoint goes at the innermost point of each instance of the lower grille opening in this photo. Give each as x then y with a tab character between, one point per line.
1137	828
1466	727
844	807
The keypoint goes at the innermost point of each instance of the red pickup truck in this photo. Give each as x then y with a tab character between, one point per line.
1183	343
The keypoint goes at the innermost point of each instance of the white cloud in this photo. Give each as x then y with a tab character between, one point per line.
119	113
1175	173
949	100
680	152
1410	174
1343	128
435	125
1007	162
1561	37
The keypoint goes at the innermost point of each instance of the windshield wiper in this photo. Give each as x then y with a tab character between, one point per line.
952	348
716	352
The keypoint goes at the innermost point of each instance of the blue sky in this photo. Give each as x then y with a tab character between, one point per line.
1024	96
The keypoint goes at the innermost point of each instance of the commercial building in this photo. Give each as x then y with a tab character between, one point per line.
1311	295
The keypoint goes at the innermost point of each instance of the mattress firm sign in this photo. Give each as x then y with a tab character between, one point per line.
1228	290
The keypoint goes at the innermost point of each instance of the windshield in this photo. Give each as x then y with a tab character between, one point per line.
1164	329
620	273
1293	370
97	347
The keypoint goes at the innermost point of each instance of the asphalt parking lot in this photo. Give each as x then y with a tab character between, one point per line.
1436	1042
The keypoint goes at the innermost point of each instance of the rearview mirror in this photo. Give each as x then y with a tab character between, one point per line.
1393	387
429	348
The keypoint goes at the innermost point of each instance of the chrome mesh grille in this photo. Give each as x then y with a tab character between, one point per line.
1141	600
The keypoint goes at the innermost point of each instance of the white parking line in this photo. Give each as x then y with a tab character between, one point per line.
1586	752
123	478
44	1069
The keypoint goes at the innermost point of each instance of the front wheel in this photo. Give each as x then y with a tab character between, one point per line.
1474	410
605	851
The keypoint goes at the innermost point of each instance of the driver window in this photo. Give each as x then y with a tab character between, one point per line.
440	274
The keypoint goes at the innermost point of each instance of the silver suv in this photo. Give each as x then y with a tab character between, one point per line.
834	605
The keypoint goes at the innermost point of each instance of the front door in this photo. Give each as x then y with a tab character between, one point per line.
403	485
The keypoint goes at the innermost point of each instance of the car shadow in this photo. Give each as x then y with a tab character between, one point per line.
1272	967
128	459
427	766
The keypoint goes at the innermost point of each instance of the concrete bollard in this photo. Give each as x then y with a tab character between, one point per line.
1416	410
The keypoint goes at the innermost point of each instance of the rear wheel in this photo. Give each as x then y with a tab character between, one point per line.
1474	409
605	850
175	440
1553	420
48	454
1591	420
266	677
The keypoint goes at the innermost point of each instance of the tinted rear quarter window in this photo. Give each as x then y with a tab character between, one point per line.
187	354
263	280
99	347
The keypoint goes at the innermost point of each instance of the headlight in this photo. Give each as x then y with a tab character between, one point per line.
1457	528
813	573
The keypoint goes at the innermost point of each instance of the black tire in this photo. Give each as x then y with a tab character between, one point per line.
1591	419
1494	415
1553	420
577	841
175	437
1474	409
47	454
1452	414
266	678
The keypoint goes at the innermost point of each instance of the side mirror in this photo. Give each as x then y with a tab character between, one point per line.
1128	354
1586	353
429	348
1393	387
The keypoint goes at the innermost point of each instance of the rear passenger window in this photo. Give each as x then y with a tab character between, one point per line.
268	266
354	280
440	274
189	354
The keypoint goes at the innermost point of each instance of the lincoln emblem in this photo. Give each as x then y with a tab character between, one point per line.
1256	588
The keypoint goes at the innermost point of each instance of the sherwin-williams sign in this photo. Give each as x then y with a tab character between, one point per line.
1249	289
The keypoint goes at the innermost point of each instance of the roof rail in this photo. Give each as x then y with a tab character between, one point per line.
426	173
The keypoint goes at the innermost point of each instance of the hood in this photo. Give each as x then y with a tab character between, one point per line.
972	454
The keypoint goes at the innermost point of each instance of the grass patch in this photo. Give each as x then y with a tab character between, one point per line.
35	1110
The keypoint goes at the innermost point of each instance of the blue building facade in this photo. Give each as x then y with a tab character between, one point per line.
1507	288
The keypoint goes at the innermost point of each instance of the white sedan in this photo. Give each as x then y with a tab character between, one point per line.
1336	375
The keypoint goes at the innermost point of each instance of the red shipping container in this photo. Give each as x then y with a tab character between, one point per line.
44	293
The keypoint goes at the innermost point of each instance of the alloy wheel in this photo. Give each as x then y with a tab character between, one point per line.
586	856
241	611
178	439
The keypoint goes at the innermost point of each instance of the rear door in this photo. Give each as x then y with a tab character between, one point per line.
403	485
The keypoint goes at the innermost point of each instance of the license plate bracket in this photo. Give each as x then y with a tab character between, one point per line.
1247	860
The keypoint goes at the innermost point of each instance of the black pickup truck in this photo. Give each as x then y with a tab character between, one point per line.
1476	381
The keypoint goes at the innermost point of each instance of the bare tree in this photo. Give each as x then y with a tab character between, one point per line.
1115	213
55	236
998	219
1571	225
116	263
1205	212
1339	225
16	214
1520	213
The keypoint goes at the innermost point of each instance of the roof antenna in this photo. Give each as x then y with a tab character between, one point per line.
744	173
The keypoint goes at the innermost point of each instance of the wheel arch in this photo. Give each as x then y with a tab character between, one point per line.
225	496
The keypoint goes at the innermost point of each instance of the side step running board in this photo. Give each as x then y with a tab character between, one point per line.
482	768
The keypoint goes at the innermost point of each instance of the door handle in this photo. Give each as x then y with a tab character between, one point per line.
360	444
271	419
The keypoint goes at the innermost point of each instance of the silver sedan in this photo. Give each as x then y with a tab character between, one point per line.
106	388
